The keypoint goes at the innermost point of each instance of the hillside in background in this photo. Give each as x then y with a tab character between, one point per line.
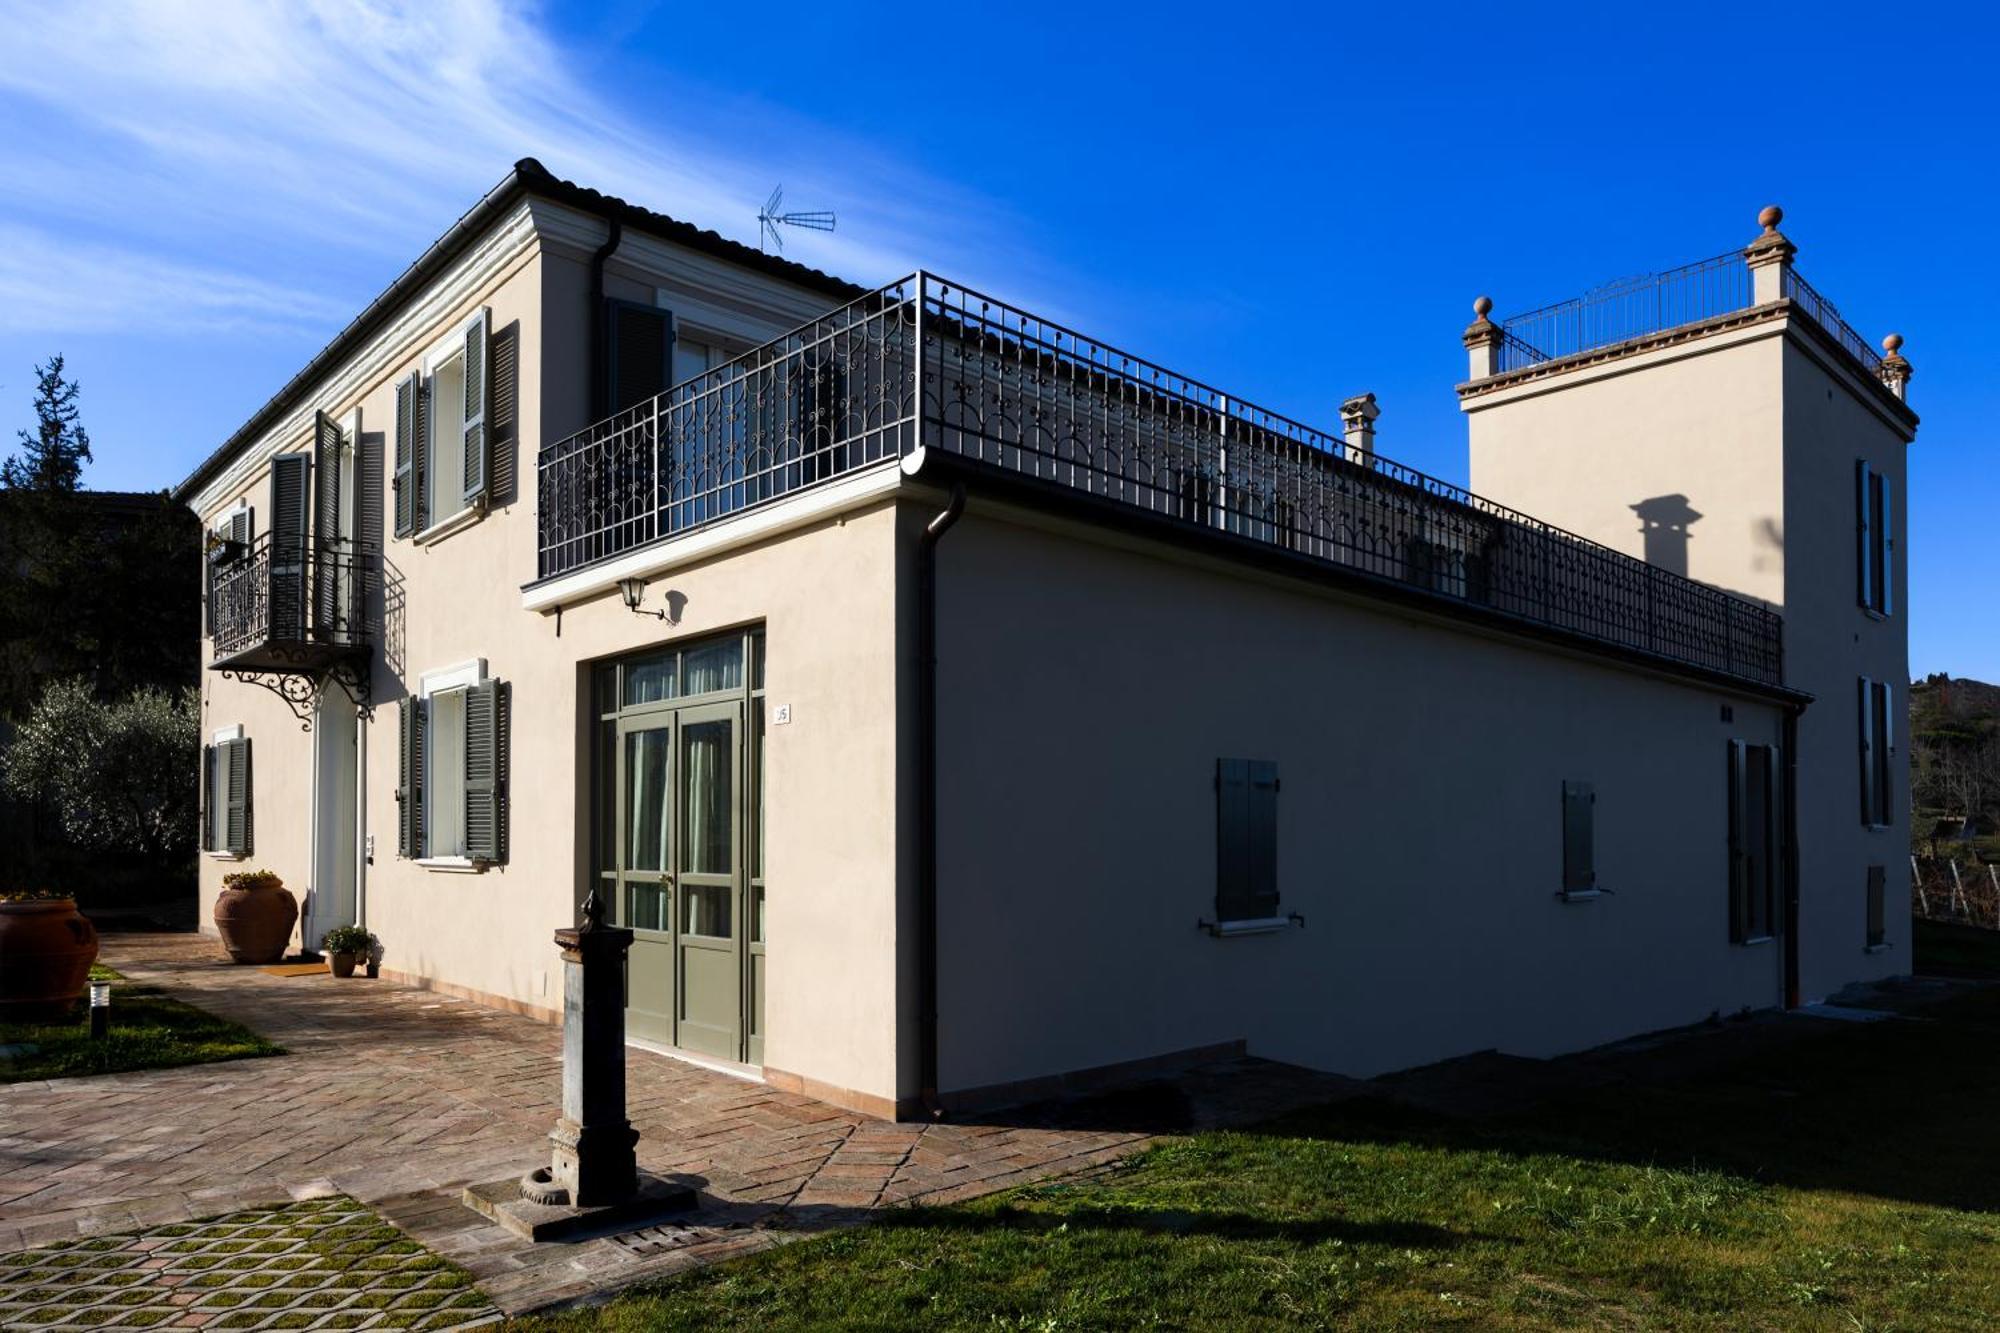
1954	753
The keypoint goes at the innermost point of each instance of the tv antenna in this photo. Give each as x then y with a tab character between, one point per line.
772	218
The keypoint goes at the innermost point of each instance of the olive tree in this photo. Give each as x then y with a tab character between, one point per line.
119	775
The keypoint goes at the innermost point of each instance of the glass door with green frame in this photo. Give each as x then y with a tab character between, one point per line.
644	898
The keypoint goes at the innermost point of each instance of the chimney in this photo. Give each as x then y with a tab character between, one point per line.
1769	258
1357	427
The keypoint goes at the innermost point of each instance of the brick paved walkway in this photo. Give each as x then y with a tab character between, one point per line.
399	1097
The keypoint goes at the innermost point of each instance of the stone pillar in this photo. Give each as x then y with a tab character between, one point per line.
1357	427
594	1160
1482	339
1896	371
1769	258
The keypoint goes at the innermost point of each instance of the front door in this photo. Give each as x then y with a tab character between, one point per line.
678	785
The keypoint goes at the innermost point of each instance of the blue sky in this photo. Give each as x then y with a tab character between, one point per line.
1290	202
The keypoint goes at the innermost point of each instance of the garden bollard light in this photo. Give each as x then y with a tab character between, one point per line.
100	1008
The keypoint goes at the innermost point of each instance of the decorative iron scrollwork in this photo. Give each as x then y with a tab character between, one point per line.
302	690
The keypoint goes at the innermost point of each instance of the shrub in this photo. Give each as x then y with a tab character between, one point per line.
36	896
117	775
253	881
348	939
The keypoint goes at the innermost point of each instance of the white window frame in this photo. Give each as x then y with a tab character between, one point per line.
219	832
445	350
448	680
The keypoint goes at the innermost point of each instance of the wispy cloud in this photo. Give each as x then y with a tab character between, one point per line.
264	164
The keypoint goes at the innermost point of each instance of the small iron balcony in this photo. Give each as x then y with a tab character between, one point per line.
926	364
293	607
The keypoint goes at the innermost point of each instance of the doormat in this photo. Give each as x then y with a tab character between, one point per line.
296	970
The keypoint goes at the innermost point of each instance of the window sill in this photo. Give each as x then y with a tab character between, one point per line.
1580	895
438	531
1883	947
227	856
1265	925
453	865
1758	941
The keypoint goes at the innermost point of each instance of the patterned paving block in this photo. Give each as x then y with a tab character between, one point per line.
323	1263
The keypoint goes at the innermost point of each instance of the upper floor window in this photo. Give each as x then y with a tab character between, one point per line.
1878	752
1876	545
444	445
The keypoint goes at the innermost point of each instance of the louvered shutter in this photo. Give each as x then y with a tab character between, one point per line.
1867	752
410	781
242	526
291	524
1885	755
404	483
327	440
236	818
483	793
1885	539
477	440
208	798
1232	836
1878	877
1262	852
639	352
1579	837
1739	926
1864	542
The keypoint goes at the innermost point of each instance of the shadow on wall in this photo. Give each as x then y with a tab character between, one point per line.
1664	521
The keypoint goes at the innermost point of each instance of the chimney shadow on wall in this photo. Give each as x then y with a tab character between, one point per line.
1664	521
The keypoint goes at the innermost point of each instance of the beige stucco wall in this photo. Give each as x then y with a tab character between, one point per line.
1759	427
1086	692
827	596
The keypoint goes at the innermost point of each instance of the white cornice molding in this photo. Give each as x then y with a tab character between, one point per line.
854	491
508	243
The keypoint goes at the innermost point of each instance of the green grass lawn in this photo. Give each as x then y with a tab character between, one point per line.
148	1031
1777	1174
1947	949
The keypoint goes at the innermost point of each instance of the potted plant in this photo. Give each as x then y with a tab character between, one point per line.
46	949
344	946
255	913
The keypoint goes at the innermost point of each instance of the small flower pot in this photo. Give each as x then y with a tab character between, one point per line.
46	949
341	964
374	968
256	924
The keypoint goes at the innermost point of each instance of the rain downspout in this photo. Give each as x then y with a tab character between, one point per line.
927	801
600	373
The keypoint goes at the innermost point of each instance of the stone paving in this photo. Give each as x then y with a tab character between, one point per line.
329	1263
399	1097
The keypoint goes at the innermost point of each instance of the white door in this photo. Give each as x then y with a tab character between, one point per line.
330	899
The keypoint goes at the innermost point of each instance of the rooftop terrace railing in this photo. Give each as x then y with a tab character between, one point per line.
1637	307
926	363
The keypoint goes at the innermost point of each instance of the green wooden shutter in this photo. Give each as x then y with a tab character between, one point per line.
477	441
639	353
208	798
242	525
327	440
1867	731
1878	877
1884	731
1739	925
1232	839
291	524
410	780
1579	834
483	792
1262	852
1885	540
1863	537
406	456
237	815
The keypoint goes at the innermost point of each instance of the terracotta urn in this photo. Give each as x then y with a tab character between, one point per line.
256	921
46	949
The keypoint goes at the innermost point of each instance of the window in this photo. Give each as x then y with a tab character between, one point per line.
1579	840
1877	886
443	444
452	770
1878	750
1246	841
225	794
639	359
1876	543
1753	841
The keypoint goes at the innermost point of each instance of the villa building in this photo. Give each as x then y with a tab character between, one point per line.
957	707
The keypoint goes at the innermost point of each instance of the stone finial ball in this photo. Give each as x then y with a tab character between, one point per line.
1483	306
1770	217
1893	343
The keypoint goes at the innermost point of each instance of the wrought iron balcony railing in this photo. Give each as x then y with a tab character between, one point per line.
293	606
1637	307
925	363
